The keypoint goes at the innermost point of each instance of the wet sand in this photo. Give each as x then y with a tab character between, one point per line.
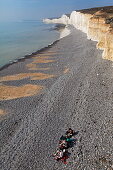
73	87
2	112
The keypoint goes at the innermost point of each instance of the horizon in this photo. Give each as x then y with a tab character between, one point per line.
17	10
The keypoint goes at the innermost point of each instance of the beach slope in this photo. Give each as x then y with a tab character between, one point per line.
65	85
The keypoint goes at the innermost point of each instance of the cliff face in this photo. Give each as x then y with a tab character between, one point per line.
101	31
97	23
80	20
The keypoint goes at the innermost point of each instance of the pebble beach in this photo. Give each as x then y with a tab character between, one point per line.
65	85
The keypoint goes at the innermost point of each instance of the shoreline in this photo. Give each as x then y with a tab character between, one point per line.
28	56
58	27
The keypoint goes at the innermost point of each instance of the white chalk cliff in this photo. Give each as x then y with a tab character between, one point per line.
97	23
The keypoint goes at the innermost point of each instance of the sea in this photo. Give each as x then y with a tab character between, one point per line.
21	38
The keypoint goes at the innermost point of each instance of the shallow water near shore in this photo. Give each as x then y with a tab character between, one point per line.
18	39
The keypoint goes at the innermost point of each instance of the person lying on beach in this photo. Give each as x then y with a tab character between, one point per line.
61	155
63	144
70	132
70	141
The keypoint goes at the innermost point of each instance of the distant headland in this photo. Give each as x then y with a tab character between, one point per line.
97	23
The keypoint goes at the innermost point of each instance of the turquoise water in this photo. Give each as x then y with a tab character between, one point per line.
18	39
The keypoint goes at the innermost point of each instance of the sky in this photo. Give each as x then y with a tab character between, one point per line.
14	10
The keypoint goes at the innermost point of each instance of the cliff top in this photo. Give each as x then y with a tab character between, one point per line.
101	12
106	9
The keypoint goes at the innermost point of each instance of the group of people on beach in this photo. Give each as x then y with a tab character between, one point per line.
65	142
